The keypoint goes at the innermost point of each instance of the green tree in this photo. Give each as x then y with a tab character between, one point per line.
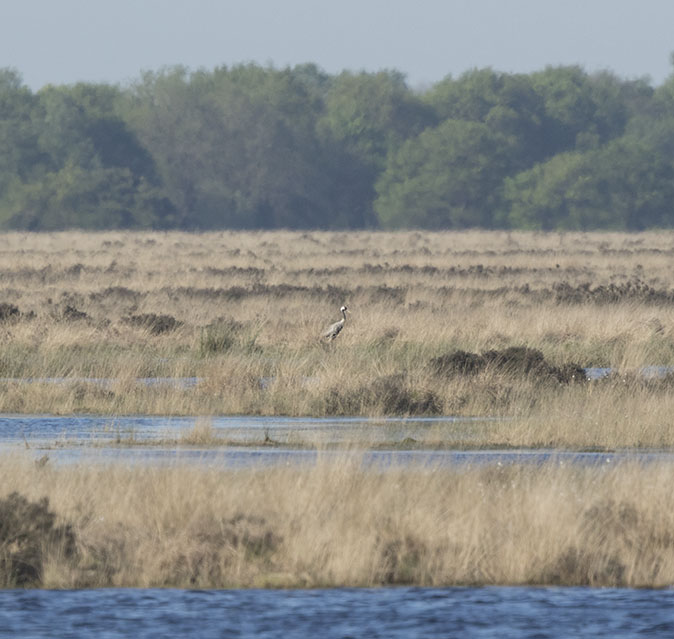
509	104
627	184
250	146
18	137
82	124
552	195
371	114
583	111
447	177
88	171
236	147
74	197
367	116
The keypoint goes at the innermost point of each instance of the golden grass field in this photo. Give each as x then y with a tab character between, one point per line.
233	309
236	308
337	523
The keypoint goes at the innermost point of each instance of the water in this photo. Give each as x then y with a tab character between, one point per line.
647	372
592	373
49	429
244	440
497	612
391	613
152	439
242	457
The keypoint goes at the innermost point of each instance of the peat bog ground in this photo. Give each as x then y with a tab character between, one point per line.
467	324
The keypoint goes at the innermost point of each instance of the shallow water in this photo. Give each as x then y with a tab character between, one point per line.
151	440
392	613
42	429
243	457
592	374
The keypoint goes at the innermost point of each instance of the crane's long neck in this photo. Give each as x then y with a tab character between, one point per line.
344	314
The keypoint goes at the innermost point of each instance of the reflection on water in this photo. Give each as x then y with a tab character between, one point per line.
239	457
48	429
648	372
592	373
176	382
156	440
388	612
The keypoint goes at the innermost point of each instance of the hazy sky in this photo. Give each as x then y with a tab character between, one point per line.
65	41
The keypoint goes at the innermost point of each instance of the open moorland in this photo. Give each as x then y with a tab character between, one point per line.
335	523
465	323
475	324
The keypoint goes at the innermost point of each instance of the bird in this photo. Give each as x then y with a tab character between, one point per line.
336	328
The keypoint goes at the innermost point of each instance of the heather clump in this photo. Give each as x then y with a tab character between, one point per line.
28	534
155	324
338	522
514	361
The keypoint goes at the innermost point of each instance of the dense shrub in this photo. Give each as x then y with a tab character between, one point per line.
26	530
8	311
219	337
156	324
386	395
514	361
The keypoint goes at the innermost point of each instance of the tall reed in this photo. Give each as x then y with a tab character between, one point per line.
340	523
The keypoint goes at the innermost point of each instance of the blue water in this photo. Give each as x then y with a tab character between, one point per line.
393	613
592	373
499	613
86	437
647	372
243	457
41	429
81	438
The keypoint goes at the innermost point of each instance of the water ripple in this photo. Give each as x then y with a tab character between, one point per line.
393	613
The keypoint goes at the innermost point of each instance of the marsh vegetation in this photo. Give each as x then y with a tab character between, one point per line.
484	324
469	323
335	523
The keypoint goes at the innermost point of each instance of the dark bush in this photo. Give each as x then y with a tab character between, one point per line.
387	395
70	313
156	324
458	363
518	360
118	293
568	373
401	560
514	361
219	545
8	311
393	394
635	290
219	337
26	529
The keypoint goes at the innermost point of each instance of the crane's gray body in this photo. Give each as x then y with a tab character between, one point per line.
336	328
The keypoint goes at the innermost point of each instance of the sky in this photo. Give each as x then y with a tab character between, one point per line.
113	41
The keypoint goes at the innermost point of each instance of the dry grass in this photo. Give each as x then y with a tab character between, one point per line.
243	312
340	524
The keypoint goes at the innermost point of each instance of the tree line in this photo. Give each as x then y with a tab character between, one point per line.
247	147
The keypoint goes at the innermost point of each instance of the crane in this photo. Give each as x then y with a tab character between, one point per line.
337	327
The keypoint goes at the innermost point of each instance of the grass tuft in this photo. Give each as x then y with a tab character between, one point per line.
339	522
219	337
28	531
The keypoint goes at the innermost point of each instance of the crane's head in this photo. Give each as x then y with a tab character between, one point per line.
344	310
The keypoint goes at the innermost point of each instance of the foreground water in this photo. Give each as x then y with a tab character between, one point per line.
156	440
40	430
392	613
